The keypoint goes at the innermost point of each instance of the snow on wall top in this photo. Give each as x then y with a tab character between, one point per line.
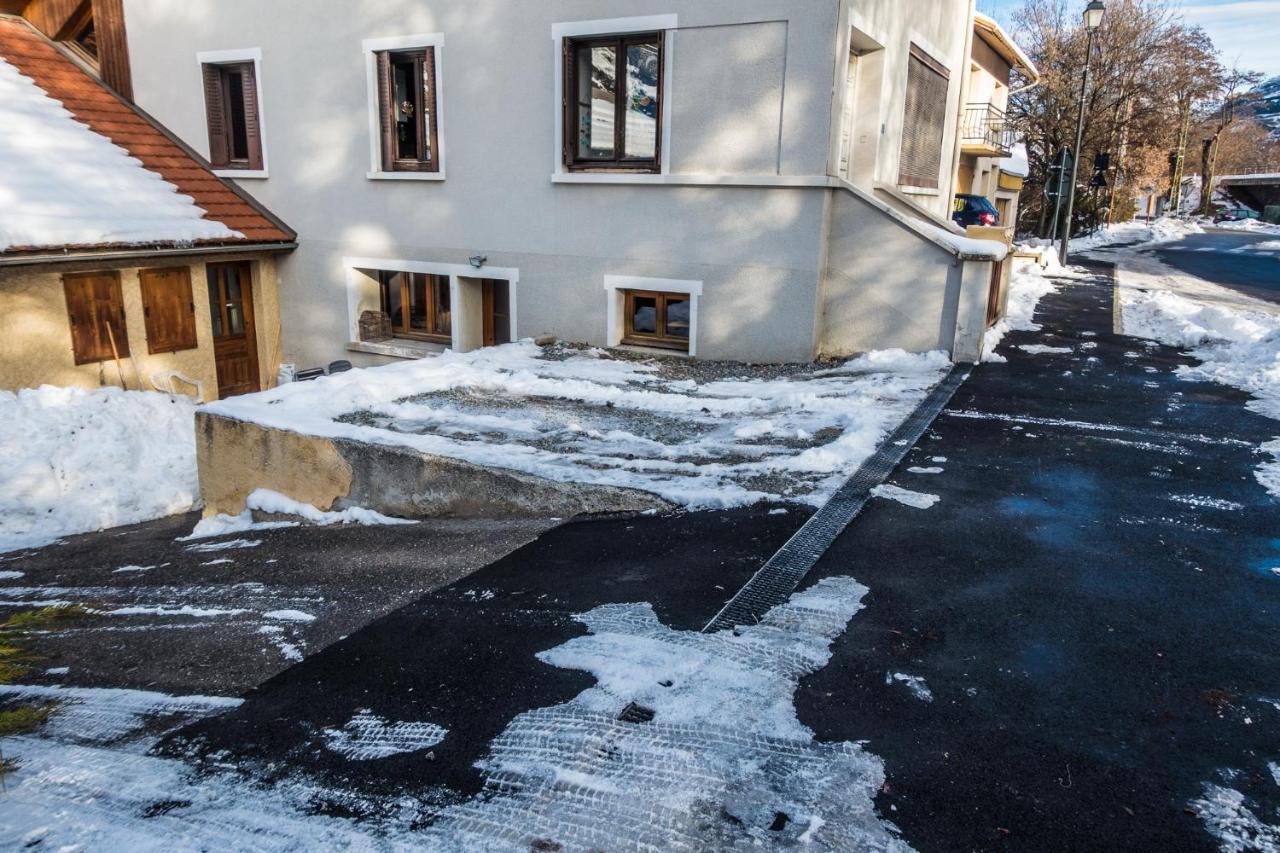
65	185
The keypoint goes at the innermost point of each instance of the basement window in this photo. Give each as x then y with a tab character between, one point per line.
657	319
418	305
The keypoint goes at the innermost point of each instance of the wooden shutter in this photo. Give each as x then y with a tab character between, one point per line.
95	311
214	98
168	309
923	121
429	102
385	114
569	103
252	124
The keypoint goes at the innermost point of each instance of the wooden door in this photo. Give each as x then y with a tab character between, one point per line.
497	311
235	346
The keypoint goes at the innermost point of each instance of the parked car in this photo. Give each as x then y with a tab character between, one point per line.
974	210
1235	214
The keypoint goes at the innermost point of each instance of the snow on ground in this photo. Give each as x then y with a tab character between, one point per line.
1235	337
366	736
65	185
1164	230
687	741
699	434
73	461
272	502
919	500
1027	286
1251	226
1229	819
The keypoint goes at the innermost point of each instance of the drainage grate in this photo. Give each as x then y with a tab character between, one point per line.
779	577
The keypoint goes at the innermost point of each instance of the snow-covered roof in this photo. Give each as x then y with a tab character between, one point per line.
82	169
64	185
1017	163
1004	44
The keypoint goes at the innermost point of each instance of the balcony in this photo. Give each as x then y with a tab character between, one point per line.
985	131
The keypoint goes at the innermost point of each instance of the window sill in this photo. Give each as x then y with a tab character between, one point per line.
405	176
397	348
241	173
908	189
644	349
690	180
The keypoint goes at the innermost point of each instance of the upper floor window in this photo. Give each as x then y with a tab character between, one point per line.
919	161
407	110
613	102
231	107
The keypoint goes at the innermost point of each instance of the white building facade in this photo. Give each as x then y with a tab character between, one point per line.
764	180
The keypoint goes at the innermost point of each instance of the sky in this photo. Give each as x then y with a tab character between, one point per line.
1246	31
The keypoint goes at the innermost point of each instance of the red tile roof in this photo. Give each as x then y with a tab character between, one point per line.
93	104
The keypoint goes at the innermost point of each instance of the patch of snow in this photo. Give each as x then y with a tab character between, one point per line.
160	610
366	737
219	562
919	500
1228	818
9	576
932	469
91	714
1044	349
915	683
1207	502
589	417
290	650
65	185
266	500
289	616
1252	226
124	569
1027	286
74	461
1163	230
230	544
57	670
1235	338
722	755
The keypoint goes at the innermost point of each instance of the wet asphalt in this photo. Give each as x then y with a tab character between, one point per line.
1091	604
1234	259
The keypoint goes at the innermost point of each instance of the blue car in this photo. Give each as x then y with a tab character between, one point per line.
974	210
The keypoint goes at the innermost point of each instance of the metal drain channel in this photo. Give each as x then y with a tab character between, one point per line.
779	577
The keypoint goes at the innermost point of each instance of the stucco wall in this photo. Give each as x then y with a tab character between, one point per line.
35	335
884	31
884	287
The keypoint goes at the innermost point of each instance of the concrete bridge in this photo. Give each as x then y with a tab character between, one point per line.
1257	190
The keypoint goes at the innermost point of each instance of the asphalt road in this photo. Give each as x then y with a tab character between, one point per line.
1091	605
1233	259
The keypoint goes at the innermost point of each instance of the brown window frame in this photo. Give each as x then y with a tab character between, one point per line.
425	105
658	338
101	313
922	175
405	330
221	111
75	29
571	108
160	337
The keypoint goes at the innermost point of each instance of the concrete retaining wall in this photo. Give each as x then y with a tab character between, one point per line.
235	457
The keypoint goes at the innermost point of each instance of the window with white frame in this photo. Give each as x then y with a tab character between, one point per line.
405	106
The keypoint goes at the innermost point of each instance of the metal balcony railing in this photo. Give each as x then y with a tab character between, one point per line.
986	126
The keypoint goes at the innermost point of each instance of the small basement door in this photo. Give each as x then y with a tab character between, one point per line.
497	311
235	346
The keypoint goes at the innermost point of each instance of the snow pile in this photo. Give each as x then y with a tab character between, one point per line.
1026	288
366	736
72	461
688	741
266	500
968	247
1228	817
1164	230
1237	340
664	426
64	185
1252	226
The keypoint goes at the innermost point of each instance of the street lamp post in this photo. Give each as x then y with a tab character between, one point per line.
1092	20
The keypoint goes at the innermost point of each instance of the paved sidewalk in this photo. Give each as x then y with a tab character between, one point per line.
1091	604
